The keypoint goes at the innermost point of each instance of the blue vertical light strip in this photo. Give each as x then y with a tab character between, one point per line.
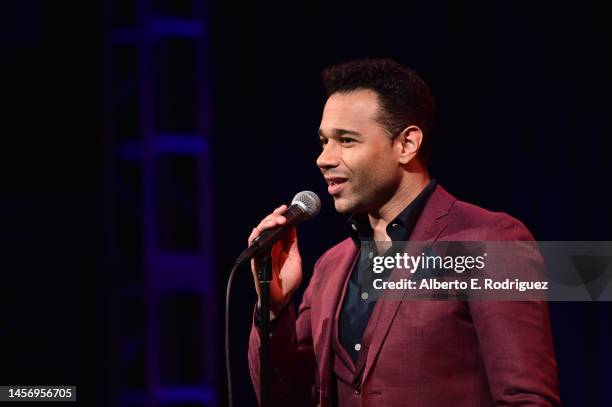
162	276
164	270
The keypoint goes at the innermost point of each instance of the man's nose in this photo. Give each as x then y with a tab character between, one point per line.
329	157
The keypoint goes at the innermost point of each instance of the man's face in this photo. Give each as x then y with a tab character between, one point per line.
359	161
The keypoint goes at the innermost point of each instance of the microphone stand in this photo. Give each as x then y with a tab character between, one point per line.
263	264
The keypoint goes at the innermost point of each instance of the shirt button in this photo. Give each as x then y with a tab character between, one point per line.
394	225
358	347
364	296
354	227
371	254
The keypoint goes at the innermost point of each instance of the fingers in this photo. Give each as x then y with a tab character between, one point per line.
288	245
271	221
280	210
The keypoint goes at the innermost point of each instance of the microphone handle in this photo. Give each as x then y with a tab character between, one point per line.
294	215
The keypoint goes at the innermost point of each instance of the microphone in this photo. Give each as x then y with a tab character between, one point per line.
305	205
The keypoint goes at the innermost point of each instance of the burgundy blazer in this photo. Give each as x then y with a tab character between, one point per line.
420	353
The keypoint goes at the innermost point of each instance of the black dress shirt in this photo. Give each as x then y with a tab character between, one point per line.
359	301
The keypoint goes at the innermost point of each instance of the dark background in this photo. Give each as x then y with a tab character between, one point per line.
523	89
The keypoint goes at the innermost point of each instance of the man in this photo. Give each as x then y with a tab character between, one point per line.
342	348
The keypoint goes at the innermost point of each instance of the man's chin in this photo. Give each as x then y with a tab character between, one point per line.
342	205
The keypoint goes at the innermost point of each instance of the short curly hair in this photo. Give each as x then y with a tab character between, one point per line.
405	98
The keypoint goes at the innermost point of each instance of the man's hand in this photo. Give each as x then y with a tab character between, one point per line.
286	263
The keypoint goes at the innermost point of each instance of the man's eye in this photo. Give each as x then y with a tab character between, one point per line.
346	140
322	142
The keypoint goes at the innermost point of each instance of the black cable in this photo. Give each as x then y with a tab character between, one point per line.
230	397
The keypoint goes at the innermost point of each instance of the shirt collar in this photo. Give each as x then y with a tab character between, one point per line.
400	228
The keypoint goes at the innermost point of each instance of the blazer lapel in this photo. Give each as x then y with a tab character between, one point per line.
429	226
336	273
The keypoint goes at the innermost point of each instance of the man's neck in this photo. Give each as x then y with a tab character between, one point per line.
408	190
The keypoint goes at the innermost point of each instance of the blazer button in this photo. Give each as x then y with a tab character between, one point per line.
357	389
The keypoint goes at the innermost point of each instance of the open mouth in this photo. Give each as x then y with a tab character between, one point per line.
335	185
336	181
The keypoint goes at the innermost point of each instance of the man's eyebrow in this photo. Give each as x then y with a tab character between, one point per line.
339	133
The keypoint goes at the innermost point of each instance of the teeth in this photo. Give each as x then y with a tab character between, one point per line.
336	181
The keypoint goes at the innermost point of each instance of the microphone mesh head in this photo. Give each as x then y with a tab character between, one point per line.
309	202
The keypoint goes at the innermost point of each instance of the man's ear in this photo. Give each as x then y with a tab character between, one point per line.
410	140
